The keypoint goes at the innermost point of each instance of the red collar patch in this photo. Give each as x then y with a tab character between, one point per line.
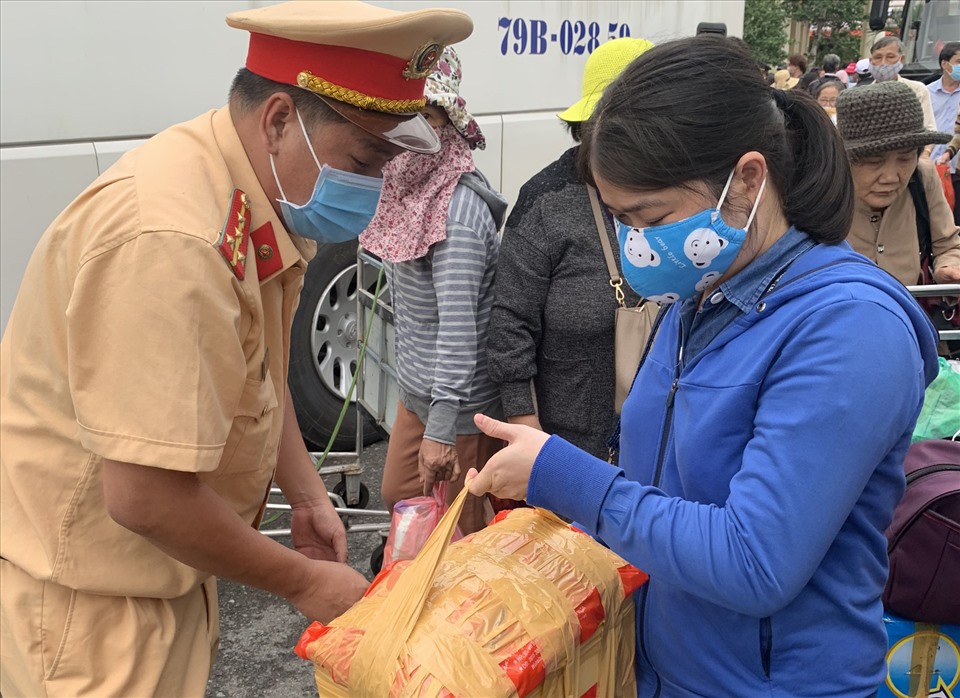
266	251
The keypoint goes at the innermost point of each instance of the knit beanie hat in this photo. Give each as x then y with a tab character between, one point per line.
883	116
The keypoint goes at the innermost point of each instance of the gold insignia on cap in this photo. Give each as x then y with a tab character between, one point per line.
311	82
423	62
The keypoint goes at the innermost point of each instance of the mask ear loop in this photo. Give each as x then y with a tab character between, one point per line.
756	203
726	188
307	139
309	147
277	179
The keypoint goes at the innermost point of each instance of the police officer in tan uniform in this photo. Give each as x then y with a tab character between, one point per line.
143	369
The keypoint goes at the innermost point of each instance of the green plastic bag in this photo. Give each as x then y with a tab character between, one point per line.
940	416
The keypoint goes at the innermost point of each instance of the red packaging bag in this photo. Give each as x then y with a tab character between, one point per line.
412	522
943	172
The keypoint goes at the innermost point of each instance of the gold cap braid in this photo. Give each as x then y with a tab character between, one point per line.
311	82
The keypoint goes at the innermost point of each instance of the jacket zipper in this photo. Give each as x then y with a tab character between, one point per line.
658	472
766	644
929	470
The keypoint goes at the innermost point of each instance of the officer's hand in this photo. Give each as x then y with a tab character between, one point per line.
944	158
317	531
328	590
507	472
437	462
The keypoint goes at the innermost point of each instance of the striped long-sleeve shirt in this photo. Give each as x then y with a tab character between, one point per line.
442	305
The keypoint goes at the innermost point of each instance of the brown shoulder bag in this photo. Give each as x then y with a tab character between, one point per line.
633	324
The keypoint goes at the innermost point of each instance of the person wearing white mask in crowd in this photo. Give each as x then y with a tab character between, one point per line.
886	62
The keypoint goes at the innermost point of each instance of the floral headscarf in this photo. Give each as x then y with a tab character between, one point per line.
412	214
443	90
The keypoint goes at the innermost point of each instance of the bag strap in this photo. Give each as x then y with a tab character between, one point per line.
616	281
923	215
474	180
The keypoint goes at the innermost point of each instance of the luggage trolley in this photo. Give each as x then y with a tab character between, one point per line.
378	389
377	392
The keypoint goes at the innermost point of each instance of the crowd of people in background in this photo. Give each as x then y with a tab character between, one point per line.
938	95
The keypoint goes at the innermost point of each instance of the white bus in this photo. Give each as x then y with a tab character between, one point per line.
81	82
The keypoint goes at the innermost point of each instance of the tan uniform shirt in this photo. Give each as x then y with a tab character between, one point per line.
889	237
132	339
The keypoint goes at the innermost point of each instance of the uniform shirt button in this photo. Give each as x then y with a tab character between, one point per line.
265	252
716	297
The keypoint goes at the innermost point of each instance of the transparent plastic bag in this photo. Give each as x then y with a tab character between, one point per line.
412	522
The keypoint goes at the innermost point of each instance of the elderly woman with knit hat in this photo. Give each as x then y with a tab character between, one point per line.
882	128
551	344
436	229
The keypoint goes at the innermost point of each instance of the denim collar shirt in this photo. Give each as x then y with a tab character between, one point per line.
738	294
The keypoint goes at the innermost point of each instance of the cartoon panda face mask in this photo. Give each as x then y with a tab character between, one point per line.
668	263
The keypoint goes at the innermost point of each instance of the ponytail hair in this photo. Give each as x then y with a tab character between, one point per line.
818	196
651	131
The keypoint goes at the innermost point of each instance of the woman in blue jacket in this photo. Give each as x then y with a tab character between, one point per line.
761	447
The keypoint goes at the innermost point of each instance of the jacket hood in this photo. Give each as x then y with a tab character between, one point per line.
495	201
824	265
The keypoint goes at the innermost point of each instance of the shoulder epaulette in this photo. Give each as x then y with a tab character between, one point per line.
235	234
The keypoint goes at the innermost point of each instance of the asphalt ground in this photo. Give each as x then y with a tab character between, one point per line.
258	631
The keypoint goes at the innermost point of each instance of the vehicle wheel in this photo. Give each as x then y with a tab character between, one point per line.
376	558
340	489
323	349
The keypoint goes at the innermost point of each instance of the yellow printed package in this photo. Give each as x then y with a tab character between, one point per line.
526	607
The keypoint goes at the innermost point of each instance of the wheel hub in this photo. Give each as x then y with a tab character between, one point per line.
334	341
347	331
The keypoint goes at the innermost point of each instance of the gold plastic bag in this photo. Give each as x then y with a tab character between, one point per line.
526	607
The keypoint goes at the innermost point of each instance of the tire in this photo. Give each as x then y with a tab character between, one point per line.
323	349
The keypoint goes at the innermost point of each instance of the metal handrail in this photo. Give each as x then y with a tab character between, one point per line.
934	290
929	290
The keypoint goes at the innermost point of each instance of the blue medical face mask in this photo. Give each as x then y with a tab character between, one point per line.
668	263
955	72
340	208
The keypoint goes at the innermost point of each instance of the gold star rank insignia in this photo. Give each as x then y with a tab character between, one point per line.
235	234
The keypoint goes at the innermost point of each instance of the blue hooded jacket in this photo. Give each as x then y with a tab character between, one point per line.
757	482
